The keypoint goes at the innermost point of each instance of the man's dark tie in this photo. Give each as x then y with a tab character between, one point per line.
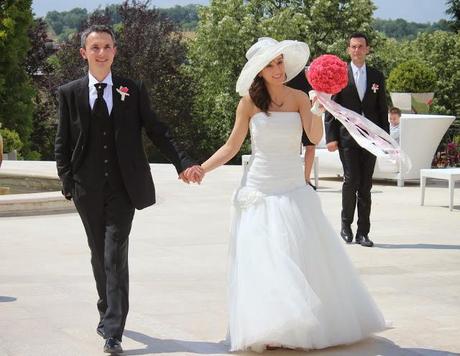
100	106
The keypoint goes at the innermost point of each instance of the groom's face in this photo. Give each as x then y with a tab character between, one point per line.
99	51
358	50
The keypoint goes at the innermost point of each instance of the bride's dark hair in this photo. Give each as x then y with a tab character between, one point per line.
259	94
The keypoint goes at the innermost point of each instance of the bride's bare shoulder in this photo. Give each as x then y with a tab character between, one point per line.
247	107
297	94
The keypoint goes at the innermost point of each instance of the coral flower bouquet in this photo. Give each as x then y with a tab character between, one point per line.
327	74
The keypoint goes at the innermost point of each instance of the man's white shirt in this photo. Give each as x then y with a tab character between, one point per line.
107	91
360	76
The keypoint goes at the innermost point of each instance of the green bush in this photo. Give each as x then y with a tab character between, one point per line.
412	76
33	156
11	140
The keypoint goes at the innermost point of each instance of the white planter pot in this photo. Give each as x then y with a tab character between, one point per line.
415	103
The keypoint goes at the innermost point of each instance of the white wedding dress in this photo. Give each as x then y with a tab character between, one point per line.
291	282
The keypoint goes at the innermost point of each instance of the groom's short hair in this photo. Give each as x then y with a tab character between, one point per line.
359	35
96	28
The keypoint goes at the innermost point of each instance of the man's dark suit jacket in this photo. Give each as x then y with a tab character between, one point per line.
374	107
130	116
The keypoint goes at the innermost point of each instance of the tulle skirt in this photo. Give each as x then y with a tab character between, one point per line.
291	282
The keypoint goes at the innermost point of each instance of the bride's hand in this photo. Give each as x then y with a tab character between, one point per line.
316	107
192	174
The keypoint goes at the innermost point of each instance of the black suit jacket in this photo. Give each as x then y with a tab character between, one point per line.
130	117
300	82
374	107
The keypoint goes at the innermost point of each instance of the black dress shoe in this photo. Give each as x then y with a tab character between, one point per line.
311	185
364	240
100	332
347	234
112	346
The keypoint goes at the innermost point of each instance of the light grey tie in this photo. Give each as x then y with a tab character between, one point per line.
360	84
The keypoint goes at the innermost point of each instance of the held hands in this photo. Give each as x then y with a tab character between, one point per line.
193	174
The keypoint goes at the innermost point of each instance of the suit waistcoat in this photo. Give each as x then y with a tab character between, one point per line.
100	164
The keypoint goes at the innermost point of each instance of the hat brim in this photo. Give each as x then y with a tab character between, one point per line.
295	55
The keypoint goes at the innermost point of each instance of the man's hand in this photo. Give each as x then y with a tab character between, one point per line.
192	174
332	146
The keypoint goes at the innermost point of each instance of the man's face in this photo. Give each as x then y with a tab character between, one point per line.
99	51
358	50
394	119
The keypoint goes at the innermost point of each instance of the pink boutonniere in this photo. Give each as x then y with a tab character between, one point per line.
123	91
375	87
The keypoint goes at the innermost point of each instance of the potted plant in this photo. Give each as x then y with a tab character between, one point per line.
411	85
11	143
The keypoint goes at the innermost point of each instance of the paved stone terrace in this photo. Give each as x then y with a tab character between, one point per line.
178	260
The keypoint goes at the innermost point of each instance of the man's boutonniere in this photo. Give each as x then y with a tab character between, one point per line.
123	91
375	87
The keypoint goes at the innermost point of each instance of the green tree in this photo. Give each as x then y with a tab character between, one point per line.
386	53
66	21
185	17
150	49
16	91
401	29
453	10
41	144
226	30
440	49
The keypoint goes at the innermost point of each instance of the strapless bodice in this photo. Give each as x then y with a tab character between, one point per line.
275	165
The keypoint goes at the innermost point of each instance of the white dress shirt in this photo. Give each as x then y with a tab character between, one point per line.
107	91
394	132
360	76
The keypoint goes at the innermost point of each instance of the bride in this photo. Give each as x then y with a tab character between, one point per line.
291	283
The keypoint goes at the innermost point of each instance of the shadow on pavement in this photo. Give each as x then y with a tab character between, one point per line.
4	299
372	346
422	246
156	346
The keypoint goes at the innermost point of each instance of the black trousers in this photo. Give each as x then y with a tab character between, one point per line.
107	217
358	168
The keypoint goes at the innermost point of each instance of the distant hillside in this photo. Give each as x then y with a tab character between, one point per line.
186	19
401	29
64	23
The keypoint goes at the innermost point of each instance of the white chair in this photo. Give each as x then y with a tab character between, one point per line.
420	135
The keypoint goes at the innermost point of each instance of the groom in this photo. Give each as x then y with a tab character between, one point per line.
103	168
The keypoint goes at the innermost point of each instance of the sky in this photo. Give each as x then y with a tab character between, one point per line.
410	10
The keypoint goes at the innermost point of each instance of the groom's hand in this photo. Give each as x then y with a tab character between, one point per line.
184	178
195	174
192	174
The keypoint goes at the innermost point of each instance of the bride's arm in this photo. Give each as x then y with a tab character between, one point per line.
236	138
312	124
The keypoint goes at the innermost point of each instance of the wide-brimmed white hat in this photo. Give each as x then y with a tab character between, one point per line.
266	49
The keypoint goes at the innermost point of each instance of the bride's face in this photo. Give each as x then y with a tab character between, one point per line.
274	72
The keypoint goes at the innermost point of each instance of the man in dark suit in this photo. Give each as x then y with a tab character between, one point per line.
103	168
300	82
364	94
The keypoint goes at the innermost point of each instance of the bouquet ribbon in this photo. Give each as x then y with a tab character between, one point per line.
368	135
